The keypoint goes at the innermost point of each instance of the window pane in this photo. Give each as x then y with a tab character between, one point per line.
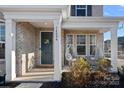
81	6
2	32
81	12
81	39
81	50
92	39
92	49
2	50
69	39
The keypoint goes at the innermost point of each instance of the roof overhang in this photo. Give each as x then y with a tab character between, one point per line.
91	22
31	8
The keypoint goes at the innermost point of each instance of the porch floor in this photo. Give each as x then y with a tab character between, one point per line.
37	74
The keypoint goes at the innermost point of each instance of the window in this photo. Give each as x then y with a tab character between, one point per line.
81	10
69	41
81	45
2	41
92	44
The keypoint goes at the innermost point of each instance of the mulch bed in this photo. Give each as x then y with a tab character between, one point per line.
10	85
51	85
92	84
60	85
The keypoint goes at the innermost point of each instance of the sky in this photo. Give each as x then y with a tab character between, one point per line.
114	10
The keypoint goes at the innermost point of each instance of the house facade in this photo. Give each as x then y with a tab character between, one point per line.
37	36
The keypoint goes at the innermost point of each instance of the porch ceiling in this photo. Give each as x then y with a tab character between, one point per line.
43	24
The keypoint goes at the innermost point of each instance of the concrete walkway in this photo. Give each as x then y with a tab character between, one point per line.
30	85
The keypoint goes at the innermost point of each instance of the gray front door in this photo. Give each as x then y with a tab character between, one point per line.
46	47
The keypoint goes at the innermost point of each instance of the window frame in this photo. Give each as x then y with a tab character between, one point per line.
2	42
76	8
81	44
92	44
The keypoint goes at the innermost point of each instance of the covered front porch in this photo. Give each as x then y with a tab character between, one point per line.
21	49
87	38
23	46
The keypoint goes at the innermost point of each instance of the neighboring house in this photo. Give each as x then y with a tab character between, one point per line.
38	36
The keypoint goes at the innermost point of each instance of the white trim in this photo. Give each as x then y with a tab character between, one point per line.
10	49
114	48
40	49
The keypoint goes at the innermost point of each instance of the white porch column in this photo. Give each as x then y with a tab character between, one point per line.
114	48
57	50
101	44
10	48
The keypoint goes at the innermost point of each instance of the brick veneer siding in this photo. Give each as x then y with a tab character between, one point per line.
25	47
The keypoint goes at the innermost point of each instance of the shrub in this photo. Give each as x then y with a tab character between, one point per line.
103	65
80	72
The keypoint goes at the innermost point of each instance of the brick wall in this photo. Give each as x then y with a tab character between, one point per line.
25	47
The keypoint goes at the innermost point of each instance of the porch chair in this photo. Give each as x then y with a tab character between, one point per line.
68	55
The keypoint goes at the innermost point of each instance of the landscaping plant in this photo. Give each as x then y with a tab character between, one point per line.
80	73
103	65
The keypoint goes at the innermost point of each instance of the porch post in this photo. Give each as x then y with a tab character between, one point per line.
101	45
57	50
114	48
10	48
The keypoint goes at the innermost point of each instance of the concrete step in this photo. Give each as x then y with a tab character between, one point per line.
42	70
29	85
34	78
38	74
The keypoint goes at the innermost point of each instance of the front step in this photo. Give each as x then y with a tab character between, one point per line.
34	78
45	66
42	70
37	74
